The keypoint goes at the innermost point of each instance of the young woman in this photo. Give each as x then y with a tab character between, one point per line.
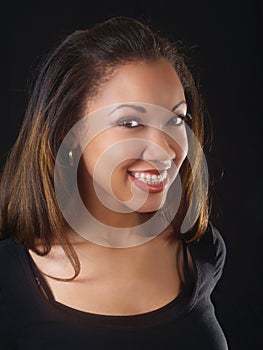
106	240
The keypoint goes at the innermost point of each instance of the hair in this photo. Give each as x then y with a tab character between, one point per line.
70	75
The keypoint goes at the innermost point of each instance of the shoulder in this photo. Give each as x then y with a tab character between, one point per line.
8	289
14	272
6	247
218	243
210	251
211	243
10	262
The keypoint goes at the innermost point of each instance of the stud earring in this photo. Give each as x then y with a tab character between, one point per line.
70	157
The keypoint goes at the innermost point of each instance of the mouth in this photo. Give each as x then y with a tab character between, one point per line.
152	181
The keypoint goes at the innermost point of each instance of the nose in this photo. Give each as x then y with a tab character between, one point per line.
158	146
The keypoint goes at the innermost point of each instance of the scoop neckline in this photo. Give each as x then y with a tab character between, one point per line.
182	303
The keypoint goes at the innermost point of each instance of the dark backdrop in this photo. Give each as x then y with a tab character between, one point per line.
224	40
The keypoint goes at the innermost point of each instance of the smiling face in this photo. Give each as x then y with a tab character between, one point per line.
132	163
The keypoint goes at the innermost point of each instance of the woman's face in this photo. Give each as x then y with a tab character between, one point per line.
132	163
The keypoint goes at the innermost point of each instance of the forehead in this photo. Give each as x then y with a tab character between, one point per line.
154	82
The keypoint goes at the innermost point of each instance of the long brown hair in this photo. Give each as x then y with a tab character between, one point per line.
73	72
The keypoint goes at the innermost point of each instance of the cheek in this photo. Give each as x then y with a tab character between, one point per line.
106	169
180	158
180	152
89	159
178	141
105	158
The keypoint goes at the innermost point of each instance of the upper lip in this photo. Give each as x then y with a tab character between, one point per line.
154	171
160	167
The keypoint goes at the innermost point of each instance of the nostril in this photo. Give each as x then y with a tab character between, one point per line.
158	153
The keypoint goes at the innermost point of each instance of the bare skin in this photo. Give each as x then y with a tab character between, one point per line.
123	281
116	281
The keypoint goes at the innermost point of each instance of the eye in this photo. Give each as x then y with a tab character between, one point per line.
130	123
179	120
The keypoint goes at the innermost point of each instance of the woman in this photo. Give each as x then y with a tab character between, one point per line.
106	237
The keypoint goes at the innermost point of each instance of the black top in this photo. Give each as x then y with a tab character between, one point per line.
28	320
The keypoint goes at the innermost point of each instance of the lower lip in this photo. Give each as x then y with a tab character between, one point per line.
149	188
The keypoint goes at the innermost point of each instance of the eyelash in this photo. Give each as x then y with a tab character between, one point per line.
182	117
126	122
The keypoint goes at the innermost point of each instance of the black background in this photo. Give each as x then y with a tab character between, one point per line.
224	41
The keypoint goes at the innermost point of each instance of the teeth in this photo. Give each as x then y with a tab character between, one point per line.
151	179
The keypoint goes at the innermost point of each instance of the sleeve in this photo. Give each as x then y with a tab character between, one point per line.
219	252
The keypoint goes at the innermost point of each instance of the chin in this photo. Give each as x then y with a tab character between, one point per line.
151	206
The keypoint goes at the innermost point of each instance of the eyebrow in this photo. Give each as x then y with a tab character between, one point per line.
137	108
178	105
142	109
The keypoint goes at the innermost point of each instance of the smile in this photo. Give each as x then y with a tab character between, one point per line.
149	178
150	181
